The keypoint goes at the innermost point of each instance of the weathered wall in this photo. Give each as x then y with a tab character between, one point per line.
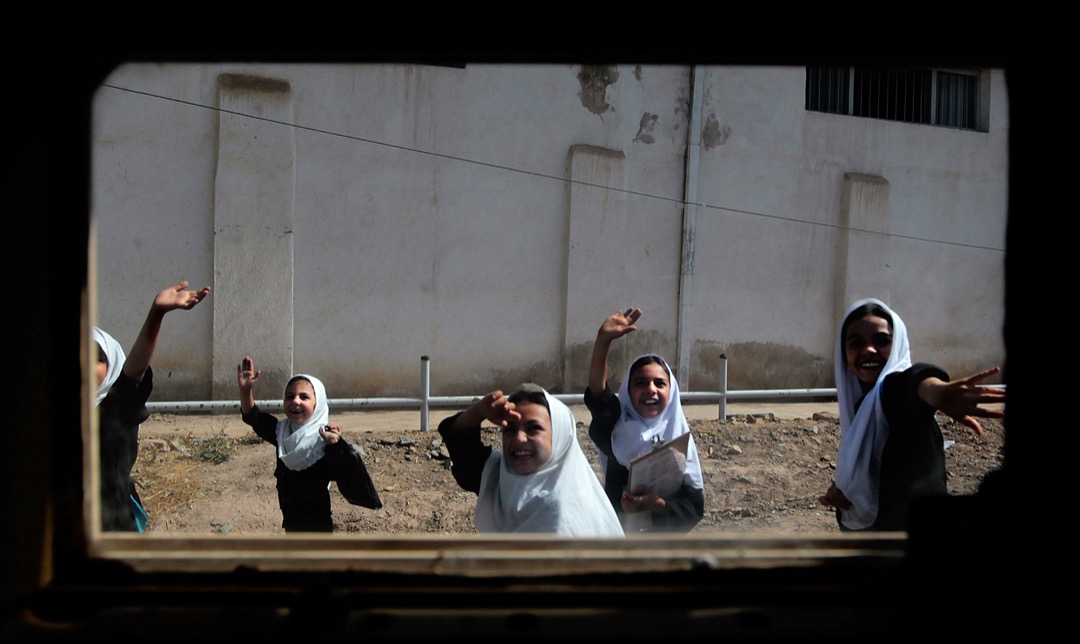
352	218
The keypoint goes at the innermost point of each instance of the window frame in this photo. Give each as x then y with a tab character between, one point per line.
840	95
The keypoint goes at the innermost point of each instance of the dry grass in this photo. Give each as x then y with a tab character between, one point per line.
166	476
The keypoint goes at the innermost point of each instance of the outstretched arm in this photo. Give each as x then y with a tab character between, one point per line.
172	298
246	377
960	399
612	329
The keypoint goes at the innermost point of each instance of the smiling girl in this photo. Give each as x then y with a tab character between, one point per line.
540	482
891	448
646	413
311	452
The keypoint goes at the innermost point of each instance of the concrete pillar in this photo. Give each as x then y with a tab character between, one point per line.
253	233
863	257
596	283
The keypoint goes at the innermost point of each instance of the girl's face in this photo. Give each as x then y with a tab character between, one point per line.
527	443
299	401
867	348
650	390
100	371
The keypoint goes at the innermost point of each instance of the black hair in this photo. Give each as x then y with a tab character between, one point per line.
529	393
866	309
298	379
649	359
101	355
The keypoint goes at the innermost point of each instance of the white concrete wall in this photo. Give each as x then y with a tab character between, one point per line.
491	217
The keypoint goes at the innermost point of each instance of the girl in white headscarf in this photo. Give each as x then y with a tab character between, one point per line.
124	384
646	414
310	452
891	448
110	362
540	482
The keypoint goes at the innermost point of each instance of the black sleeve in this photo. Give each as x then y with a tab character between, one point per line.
125	404
351	474
468	454
264	424
684	510
913	458
605	410
900	394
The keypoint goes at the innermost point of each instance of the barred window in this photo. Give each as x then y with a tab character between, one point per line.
909	94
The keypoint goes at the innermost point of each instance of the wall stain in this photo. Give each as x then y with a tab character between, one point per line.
594	80
646	127
682	109
714	134
637	73
256	92
246	82
546	374
759	365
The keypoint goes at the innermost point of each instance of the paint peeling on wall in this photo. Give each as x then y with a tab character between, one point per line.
714	134
646	127
594	80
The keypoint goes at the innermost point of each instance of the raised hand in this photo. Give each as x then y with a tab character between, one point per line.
618	325
498	409
961	399
175	297
613	328
246	374
172	298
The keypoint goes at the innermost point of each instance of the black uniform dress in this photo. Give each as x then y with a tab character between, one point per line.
913	458
304	495
684	509
119	415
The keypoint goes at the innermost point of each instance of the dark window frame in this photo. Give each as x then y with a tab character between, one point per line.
941	97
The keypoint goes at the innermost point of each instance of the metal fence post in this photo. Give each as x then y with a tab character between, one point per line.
425	391
723	387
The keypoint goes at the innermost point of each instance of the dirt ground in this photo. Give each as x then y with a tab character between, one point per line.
763	471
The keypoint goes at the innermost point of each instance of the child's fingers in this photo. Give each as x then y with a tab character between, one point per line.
973	424
982	375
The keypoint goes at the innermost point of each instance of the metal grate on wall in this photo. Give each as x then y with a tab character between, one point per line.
907	94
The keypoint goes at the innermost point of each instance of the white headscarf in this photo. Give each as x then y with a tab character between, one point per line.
114	353
300	447
863	433
634	436
563	497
